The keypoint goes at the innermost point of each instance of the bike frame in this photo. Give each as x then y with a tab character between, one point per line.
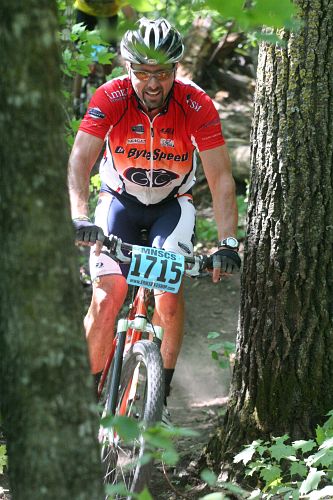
129	331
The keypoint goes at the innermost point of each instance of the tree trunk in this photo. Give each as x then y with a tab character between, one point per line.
46	390
282	381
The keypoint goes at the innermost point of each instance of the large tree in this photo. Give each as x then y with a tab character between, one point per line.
47	403
282	381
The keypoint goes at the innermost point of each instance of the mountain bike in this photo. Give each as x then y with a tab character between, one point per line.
132	382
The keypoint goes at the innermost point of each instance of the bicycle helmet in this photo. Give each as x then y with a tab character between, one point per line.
153	42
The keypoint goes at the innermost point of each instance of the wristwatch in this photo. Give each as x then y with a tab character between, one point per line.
229	242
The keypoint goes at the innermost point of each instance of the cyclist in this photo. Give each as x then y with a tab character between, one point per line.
104	13
152	122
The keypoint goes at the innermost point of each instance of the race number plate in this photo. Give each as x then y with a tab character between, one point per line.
156	268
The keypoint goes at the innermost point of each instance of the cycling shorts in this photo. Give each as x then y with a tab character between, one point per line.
169	225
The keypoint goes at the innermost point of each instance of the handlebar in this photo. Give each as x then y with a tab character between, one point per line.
195	265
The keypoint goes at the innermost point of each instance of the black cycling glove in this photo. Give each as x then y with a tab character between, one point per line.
227	260
86	231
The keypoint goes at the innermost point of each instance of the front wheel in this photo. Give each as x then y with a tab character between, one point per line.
140	397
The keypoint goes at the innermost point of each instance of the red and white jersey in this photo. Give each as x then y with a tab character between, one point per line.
151	159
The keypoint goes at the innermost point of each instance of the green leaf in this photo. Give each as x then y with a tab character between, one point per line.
214	496
3	458
246	455
213	335
118	71
255	467
280	450
208	477
320	435
229	347
142	5
215	356
311	482
170	457
275	13
298	469
234	9
323	457
304	446
145	495
234	488
216	347
124	426
270	473
116	489
159	441
328	443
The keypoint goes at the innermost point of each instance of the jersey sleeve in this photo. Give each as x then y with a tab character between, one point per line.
204	121
104	110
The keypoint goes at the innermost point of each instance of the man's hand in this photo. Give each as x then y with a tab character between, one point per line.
225	261
88	234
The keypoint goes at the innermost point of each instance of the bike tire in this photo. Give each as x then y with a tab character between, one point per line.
143	362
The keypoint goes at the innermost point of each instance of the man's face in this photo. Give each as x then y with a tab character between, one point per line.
152	83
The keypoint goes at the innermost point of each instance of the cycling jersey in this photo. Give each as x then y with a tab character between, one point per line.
98	8
151	160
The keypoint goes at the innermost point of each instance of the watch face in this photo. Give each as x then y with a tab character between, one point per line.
230	242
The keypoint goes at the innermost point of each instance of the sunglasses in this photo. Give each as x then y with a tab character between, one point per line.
145	75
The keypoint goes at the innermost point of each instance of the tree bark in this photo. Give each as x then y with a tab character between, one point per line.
282	381
46	390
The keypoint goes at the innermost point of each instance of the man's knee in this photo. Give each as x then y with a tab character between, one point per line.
109	292
169	305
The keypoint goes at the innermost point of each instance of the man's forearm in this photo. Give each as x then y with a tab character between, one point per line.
225	208
78	186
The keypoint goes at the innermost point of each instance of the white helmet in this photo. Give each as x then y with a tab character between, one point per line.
154	42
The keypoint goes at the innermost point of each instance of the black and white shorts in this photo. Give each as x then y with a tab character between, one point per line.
169	225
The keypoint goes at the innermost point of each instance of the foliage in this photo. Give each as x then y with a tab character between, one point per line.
206	231
3	457
94	188
222	351
292	470
159	443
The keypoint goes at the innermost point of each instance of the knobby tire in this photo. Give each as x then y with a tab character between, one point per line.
146	407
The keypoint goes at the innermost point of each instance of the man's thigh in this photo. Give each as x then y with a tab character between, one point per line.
174	228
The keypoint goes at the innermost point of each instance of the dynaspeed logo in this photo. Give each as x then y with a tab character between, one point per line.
138	129
119	149
96	113
158	155
142	177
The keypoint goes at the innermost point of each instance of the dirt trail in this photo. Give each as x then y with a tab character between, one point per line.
200	387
